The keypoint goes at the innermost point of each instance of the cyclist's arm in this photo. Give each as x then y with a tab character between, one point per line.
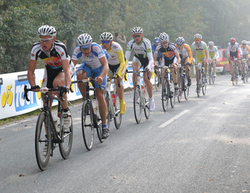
122	62
177	55
65	65
31	70
74	61
190	53
127	55
207	55
150	60
104	62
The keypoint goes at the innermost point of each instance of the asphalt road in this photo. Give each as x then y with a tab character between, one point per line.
202	145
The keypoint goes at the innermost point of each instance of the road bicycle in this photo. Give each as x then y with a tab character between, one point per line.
201	80
112	100
211	77
7	96
168	89
183	88
90	116
50	131
140	96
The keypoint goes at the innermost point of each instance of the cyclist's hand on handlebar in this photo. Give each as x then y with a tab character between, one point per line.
99	80
35	88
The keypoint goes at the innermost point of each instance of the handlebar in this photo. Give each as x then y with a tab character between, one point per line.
62	90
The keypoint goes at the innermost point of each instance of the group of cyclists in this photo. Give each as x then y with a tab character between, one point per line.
108	59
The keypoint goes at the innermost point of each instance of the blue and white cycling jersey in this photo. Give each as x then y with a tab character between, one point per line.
93	59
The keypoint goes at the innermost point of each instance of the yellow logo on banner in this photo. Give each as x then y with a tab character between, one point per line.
7	96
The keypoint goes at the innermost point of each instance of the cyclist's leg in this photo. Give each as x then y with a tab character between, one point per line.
214	67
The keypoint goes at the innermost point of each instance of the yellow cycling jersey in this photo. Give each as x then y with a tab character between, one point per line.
116	56
200	50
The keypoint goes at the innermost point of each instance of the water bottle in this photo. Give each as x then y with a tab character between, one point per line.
113	96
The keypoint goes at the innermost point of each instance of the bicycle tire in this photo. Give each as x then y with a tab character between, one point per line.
118	116
165	93
146	108
198	83
67	139
108	115
236	74
172	93
210	75
98	126
42	139
186	93
204	85
87	125
137	104
180	90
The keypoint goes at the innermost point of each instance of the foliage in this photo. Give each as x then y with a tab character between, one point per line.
20	19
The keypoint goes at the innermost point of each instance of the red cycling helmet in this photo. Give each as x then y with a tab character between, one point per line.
232	40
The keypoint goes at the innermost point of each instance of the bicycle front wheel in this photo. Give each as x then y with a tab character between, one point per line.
173	94
204	86
165	93
179	92
87	125
118	116
146	108
137	104
198	86
42	141
108	114
67	139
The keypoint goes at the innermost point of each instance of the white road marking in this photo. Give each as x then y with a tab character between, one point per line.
173	119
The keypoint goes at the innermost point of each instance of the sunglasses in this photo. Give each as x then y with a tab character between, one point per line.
45	40
137	36
105	42
164	42
179	44
197	39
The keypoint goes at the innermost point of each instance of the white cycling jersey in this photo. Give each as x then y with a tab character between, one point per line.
93	59
142	51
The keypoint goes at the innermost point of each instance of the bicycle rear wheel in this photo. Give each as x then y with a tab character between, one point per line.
108	115
165	93
42	141
118	116
67	138
87	125
236	74
137	104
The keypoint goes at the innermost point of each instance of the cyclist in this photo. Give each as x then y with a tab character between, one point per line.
233	51
143	58
58	66
185	54
199	48
117	64
170	56
213	55
94	61
245	51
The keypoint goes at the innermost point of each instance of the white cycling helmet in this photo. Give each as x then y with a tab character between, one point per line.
211	43
137	30
84	40
197	36
180	40
106	36
244	42
164	37
46	30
